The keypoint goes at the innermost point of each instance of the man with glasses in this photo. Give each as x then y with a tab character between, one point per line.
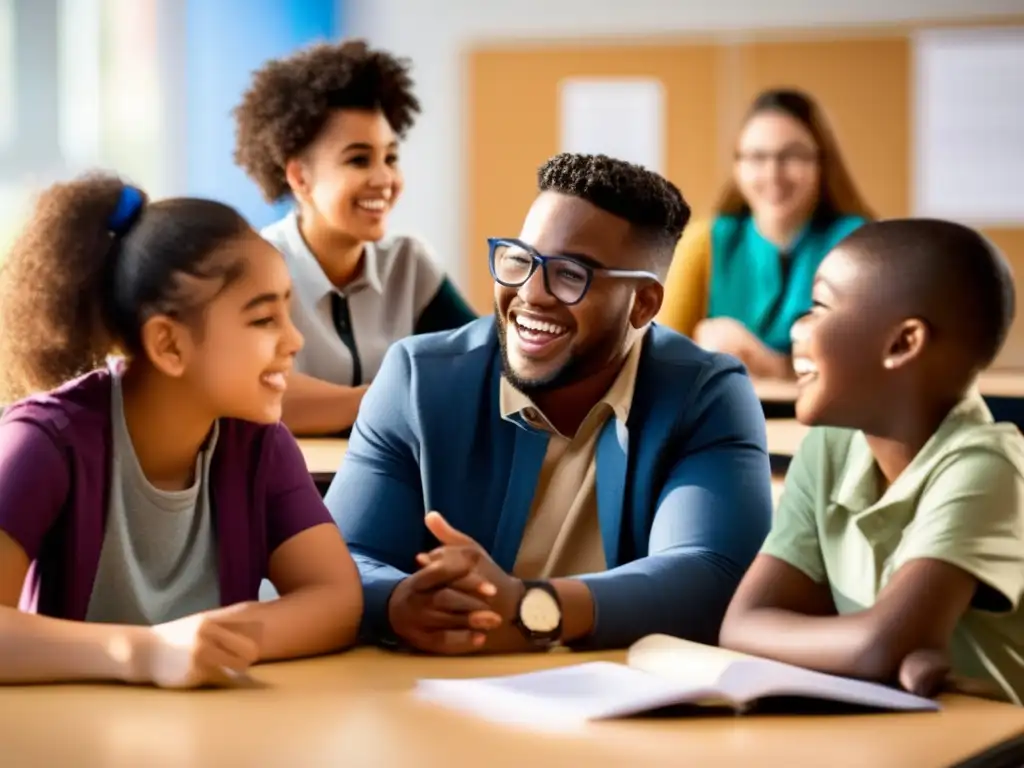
564	472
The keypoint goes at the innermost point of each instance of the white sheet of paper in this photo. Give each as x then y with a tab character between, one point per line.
620	117
554	698
669	671
968	125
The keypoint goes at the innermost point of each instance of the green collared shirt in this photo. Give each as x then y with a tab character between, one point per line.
961	500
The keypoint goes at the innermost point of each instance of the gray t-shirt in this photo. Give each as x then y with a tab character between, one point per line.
159	557
384	302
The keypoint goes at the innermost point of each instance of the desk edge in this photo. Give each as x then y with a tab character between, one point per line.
1007	753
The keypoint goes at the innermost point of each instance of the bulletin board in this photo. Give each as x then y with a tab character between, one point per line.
514	120
862	78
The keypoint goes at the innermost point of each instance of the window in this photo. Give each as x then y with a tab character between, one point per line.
111	94
80	88
7	74
132	120
27	106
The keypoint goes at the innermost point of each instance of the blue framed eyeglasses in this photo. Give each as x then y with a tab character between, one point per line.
513	262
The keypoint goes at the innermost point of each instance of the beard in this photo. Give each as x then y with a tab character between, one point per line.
569	373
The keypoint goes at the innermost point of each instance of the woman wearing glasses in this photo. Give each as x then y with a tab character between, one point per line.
738	282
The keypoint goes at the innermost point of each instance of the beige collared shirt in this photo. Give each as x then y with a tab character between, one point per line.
563	536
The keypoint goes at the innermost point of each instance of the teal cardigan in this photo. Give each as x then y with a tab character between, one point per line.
747	281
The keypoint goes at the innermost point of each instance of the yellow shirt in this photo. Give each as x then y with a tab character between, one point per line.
688	281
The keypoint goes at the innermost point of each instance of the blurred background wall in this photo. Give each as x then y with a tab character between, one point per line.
146	87
440	34
217	70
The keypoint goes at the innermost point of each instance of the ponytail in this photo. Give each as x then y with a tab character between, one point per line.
51	319
94	262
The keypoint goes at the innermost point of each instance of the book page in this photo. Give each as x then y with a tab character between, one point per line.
577	693
761	678
742	678
682	661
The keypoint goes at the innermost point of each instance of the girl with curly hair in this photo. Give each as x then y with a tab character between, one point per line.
144	497
322	128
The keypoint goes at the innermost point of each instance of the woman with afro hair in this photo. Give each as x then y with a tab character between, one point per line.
322	128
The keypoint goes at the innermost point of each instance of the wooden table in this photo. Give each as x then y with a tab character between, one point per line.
774	390
785	436
323	456
355	710
1004	384
778	486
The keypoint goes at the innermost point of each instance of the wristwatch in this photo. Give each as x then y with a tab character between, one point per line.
539	614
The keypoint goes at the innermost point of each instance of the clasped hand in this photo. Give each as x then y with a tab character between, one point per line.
459	601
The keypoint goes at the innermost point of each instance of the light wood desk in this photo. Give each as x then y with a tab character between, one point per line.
355	710
1002	384
1007	384
323	456
774	390
785	436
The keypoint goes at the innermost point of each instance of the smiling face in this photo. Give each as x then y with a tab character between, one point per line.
841	347
547	344
349	177
237	359
777	168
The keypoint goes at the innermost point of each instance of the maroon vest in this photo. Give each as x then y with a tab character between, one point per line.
78	419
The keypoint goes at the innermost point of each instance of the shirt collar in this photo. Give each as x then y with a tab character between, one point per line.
307	270
619	397
858	489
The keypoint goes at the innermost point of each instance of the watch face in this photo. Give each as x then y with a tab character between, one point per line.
539	612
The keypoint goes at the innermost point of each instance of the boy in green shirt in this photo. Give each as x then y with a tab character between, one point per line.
897	550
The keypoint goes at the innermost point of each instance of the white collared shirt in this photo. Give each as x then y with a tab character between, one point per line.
398	280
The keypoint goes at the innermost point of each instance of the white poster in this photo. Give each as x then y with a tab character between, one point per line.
620	117
969	125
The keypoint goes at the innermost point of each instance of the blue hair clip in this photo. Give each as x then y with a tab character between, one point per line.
128	206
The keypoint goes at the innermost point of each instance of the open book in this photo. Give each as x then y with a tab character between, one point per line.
660	672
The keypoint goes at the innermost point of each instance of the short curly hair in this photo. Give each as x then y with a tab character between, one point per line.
652	204
290	99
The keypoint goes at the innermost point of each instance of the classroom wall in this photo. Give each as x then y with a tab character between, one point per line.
225	41
437	35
